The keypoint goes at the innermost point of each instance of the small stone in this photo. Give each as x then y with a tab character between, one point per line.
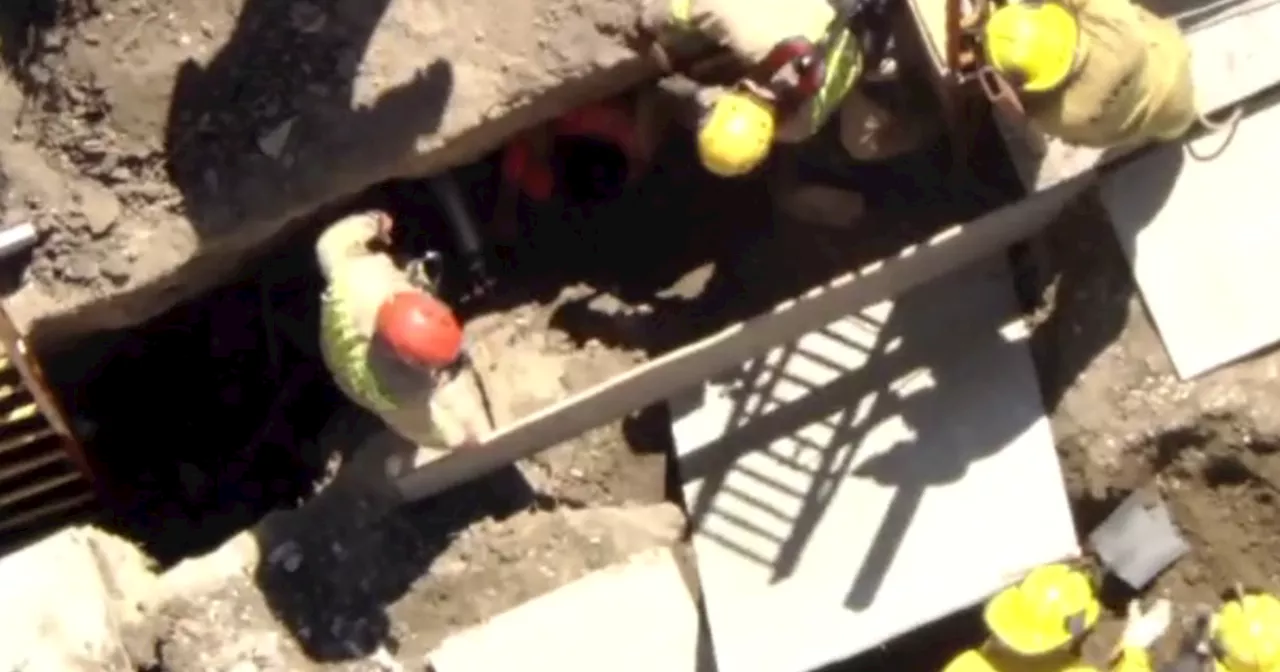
79	269
287	555
306	18
272	143
101	209
117	268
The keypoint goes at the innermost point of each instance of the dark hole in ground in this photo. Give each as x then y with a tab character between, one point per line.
1224	471
591	169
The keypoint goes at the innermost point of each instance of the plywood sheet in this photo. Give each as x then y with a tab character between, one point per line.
871	477
634	617
1202	241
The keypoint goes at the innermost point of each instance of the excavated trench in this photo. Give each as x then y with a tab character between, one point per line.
206	418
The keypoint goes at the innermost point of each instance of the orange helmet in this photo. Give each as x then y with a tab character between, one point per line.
420	329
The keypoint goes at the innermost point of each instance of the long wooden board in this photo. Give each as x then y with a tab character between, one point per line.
689	366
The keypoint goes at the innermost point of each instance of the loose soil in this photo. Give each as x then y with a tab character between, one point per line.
582	300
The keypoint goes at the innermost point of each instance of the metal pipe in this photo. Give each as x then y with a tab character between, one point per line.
17	239
461	222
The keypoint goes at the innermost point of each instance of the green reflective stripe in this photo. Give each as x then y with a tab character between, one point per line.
682	13
844	66
346	350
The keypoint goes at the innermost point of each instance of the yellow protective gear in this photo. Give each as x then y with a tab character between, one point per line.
1131	83
1032	44
1246	635
1048	610
751	29
735	135
844	68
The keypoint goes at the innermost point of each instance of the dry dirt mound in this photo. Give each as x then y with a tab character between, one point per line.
160	145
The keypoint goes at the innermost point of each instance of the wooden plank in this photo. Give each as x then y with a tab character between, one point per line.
689	366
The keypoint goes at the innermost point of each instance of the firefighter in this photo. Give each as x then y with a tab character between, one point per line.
1096	73
1245	635
802	63
1038	625
391	344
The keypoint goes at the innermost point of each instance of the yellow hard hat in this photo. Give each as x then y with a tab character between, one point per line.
1032	43
1246	635
735	135
1052	607
971	661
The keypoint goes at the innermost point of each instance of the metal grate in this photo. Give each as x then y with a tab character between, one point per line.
45	478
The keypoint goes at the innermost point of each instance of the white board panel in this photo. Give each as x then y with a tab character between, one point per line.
871	477
1201	238
636	616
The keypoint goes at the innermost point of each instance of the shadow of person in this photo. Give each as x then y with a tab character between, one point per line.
1083	283
266	131
952	419
331	569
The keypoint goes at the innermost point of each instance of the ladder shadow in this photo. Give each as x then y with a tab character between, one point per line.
859	399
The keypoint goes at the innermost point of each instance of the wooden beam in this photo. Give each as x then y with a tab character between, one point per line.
666	376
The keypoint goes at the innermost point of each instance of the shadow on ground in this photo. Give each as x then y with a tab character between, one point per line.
331	569
286	80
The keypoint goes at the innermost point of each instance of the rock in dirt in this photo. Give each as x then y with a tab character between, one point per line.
211	126
71	603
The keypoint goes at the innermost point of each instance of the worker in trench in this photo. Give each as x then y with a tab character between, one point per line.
805	62
1095	73
391	344
1039	625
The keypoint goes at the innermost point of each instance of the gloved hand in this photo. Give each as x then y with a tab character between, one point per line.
1142	629
748	28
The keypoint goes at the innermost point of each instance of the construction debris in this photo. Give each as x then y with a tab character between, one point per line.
1138	540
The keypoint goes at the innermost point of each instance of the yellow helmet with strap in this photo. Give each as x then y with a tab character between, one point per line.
736	134
1032	43
1246	635
1049	609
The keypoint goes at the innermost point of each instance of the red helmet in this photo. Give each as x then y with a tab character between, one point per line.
420	329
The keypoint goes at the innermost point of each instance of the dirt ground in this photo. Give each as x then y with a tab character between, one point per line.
157	144
583	303
580	305
1124	421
